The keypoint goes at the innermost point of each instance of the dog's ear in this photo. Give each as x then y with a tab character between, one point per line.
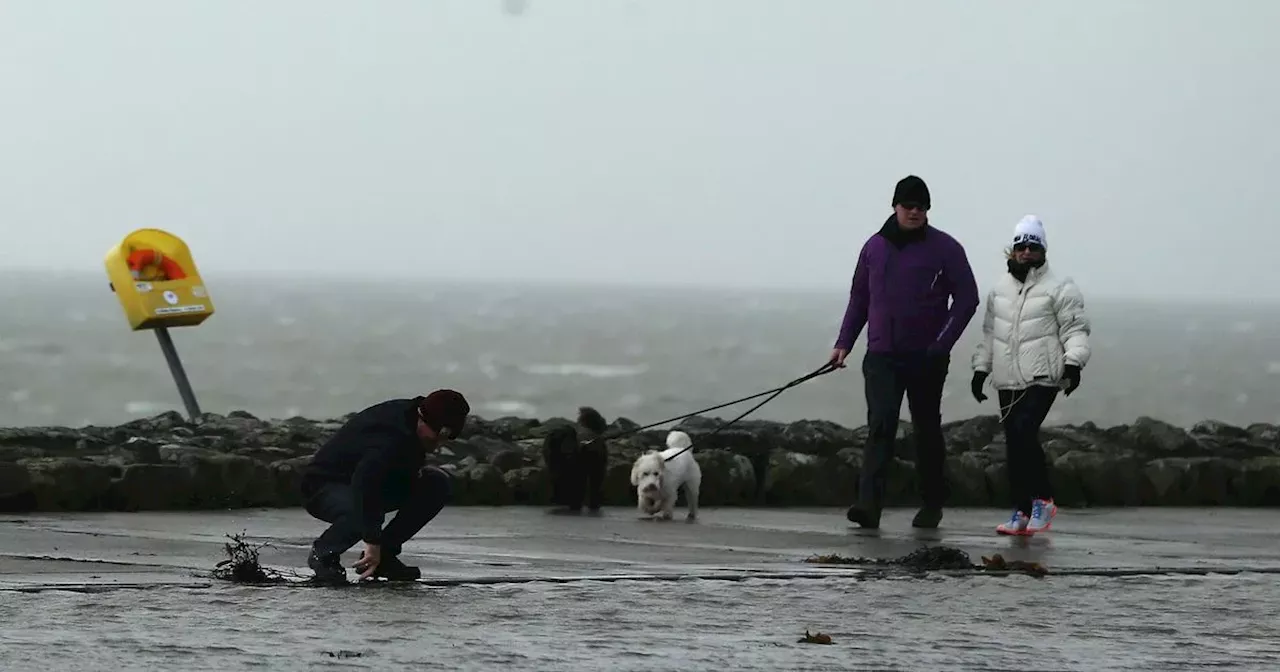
635	473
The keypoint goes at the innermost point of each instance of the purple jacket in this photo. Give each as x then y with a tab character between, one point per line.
900	290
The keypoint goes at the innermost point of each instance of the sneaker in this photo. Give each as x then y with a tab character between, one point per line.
392	569
1017	524
328	568
927	517
865	517
1042	513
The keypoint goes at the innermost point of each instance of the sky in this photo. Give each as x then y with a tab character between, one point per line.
743	143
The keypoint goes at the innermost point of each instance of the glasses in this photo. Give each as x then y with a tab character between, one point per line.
914	206
1022	247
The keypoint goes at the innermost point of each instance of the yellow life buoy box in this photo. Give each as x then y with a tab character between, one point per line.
156	281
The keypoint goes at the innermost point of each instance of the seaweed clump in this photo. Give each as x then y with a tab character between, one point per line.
923	558
934	558
242	564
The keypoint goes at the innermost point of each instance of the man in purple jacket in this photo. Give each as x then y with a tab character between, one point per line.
905	275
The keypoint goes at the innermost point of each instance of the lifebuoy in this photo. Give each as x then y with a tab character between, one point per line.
162	268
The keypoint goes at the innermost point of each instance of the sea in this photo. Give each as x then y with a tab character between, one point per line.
280	347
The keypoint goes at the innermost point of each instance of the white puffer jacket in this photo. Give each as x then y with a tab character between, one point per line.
1032	330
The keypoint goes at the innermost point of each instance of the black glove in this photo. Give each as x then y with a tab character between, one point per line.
979	377
1071	374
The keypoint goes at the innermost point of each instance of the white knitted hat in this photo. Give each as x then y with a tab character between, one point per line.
1030	230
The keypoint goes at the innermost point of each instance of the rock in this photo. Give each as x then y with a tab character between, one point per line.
972	434
14	479
968	478
16	488
527	485
288	479
817	437
508	459
1258	483
801	477
1194	481
1084	478
1159	439
484	484
241	460
728	479
149	487
68	483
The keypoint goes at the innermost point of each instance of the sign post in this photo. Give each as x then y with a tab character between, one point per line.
154	277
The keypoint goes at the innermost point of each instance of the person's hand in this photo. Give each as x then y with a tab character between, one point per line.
1071	374
975	386
368	562
837	357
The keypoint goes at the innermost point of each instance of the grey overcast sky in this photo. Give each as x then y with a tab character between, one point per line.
731	142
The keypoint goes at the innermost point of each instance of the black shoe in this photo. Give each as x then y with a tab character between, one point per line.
392	569
865	517
328	568
927	517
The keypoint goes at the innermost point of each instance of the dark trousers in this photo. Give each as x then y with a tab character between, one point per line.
920	378
577	478
1024	411
415	503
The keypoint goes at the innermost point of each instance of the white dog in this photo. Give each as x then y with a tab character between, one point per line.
657	480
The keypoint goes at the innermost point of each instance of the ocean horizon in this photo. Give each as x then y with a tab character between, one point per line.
324	346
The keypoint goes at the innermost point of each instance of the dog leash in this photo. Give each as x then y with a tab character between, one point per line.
772	394
820	371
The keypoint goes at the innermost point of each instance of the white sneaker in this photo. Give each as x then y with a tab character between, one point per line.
1017	524
1042	513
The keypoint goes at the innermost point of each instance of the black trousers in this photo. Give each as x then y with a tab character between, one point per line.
416	503
888	377
1024	411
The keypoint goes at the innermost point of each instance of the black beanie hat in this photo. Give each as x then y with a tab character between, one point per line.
445	409
911	189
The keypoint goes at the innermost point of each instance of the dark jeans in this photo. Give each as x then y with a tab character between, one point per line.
415	505
1024	411
888	377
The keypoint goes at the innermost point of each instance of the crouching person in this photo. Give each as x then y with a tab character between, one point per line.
373	465
576	463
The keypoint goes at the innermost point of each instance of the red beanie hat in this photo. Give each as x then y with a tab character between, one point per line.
445	409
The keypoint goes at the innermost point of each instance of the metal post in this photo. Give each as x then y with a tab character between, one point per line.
179	375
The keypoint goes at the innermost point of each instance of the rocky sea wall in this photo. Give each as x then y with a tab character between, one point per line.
234	461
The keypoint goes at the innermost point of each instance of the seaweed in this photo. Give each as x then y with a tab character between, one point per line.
820	638
934	558
997	563
924	558
242	564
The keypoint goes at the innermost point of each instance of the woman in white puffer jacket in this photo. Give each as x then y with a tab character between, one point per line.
1035	341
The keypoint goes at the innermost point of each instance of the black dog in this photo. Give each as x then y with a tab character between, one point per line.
576	462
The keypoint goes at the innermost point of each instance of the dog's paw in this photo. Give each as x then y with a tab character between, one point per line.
691	518
666	515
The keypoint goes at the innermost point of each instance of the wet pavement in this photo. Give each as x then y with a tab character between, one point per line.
517	587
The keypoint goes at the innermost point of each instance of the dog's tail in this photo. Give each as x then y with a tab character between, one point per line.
679	440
